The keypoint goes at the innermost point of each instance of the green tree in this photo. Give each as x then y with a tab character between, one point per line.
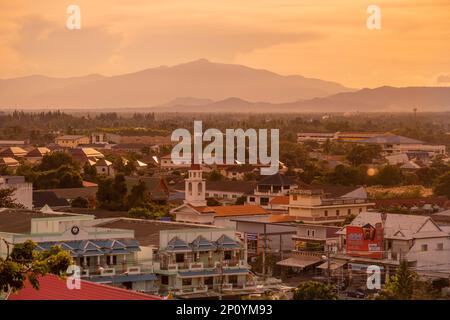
314	290
139	213
79	202
25	263
7	199
442	185
360	154
112	193
401	285
138	195
214	176
390	176
54	160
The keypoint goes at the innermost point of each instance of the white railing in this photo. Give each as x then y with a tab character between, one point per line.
196	265
133	270
108	272
227	286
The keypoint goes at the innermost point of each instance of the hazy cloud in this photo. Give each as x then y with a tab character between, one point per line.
47	47
443	78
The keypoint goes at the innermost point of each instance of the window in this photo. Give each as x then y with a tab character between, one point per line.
187	282
200	188
252	199
234	196
326	213
349	211
360	210
337	212
424	247
264	201
440	246
294	197
179	257
227	255
165	280
111	260
209	281
233	279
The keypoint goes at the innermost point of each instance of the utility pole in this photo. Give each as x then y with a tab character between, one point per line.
264	255
328	264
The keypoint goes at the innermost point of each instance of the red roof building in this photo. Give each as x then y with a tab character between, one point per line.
55	288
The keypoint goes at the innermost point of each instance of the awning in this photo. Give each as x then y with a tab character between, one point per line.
333	265
299	262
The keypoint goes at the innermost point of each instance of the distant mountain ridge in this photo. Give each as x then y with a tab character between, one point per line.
383	99
156	86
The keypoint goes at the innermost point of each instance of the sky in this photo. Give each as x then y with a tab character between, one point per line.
325	39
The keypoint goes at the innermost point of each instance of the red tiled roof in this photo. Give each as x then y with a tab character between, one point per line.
54	288
280	200
281	218
240	210
88	184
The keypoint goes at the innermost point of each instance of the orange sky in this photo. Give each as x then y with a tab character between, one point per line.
325	39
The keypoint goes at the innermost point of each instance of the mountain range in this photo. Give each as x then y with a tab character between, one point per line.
204	86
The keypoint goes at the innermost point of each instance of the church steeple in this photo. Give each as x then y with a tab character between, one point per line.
195	187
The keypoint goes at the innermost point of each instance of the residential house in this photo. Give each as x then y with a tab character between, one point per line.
35	155
312	206
271	187
9	163
198	262
157	188
71	141
105	255
393	144
86	155
13	152
389	238
105	168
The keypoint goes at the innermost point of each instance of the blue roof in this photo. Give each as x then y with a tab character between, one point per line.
93	247
176	244
390	139
225	242
120	278
211	272
202	244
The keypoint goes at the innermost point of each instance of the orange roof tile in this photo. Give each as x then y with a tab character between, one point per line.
240	210
281	218
280	200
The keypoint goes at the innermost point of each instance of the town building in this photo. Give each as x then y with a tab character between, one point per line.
13	152
195	209
105	168
312	206
393	144
224	191
86	155
71	141
9	164
105	255
385	239
35	155
270	187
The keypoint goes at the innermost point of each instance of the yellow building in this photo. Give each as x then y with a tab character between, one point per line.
71	141
312	206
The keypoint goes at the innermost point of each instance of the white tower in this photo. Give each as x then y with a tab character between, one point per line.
194	193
